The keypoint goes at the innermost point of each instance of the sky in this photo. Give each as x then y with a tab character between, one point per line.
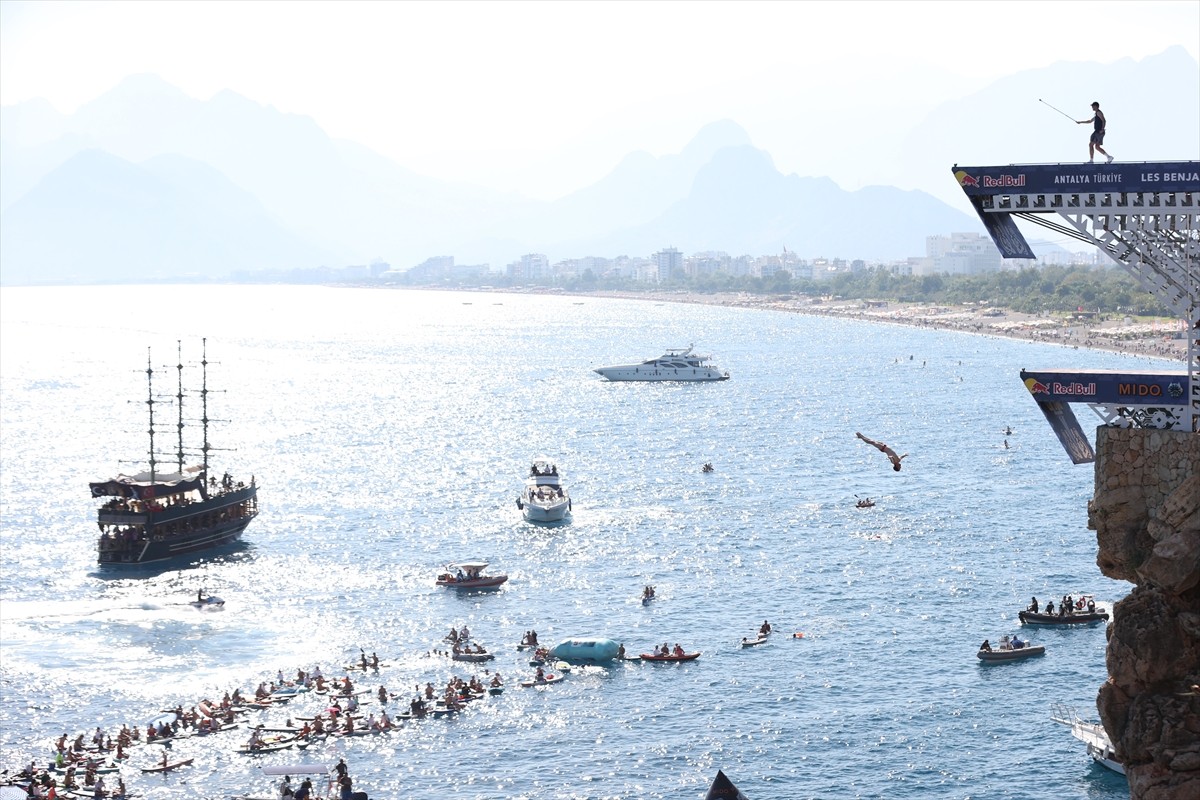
546	97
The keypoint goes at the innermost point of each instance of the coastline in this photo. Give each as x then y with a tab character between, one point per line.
1153	339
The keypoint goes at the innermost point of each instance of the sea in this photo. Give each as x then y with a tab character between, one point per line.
389	432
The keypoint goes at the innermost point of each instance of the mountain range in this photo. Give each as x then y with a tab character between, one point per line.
146	182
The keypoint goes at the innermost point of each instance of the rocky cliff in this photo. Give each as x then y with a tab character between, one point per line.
1146	514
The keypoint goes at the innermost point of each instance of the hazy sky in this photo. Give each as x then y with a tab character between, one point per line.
544	97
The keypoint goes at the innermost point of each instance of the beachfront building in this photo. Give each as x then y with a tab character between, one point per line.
531	267
668	261
959	254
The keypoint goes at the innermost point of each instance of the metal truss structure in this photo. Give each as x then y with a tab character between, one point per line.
1147	225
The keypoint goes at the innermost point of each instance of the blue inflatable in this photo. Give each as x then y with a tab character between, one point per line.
592	651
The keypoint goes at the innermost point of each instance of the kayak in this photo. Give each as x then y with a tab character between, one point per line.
550	678
168	767
752	642
684	657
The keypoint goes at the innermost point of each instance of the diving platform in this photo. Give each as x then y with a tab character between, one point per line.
1144	215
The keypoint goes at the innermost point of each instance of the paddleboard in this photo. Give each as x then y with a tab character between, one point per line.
168	767
551	678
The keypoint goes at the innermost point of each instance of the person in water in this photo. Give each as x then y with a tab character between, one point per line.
1097	137
887	451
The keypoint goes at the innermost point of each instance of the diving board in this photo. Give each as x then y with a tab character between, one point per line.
1121	399
1144	215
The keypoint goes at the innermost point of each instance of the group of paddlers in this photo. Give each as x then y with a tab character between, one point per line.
1068	605
41	783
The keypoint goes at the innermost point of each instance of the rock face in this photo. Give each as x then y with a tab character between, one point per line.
1146	514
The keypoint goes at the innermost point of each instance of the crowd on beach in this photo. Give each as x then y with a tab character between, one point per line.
1157	340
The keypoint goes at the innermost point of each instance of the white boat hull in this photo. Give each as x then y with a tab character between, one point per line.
546	512
639	372
544	498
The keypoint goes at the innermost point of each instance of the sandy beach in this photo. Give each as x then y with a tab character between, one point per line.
1157	338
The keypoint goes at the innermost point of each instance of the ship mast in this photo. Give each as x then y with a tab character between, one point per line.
204	403
179	402
150	408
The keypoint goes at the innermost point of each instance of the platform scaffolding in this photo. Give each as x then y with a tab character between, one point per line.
1145	216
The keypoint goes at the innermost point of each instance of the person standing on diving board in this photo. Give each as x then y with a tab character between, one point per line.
1097	139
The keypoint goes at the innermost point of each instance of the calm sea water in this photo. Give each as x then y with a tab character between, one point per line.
390	432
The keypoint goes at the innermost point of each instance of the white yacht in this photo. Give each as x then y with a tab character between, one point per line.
544	499
678	364
1094	737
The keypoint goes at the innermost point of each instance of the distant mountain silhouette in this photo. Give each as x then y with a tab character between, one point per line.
146	181
740	204
99	217
1152	106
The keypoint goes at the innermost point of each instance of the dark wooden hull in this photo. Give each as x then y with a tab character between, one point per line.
1079	618
215	523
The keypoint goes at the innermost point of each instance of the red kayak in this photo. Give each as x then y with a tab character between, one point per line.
684	657
168	767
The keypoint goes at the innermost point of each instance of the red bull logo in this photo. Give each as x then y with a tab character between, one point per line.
1057	389
1036	387
966	180
1003	181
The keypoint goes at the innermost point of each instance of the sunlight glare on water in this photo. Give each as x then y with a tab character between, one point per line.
390	431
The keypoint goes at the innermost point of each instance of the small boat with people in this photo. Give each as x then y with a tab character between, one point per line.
156	515
544	498
542	678
676	364
469	575
760	637
474	655
1071	611
1010	648
648	594
1094	737
666	656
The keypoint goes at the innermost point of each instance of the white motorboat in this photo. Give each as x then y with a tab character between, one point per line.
1009	649
678	364
1093	736
544	499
